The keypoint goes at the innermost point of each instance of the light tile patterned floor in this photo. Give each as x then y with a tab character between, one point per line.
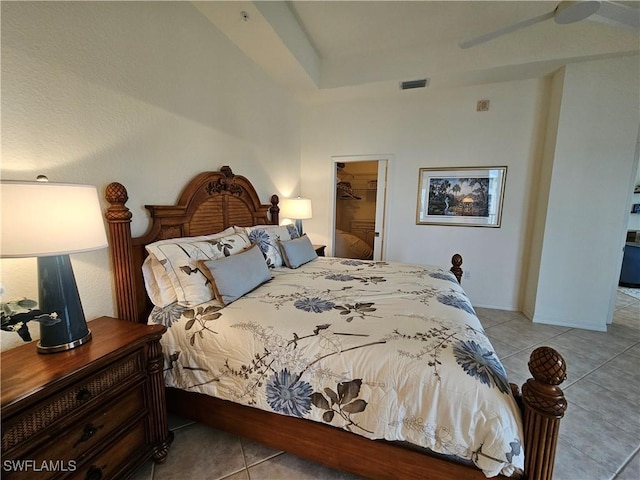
599	436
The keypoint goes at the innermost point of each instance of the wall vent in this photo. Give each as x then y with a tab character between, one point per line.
423	82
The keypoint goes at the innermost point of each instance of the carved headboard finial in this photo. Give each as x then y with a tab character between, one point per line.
116	194
456	261
227	182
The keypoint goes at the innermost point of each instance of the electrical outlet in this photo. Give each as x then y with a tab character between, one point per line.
467	275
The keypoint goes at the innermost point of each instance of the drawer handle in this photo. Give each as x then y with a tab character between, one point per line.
88	432
94	473
83	395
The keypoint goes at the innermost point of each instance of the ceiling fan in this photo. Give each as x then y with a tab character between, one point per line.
570	12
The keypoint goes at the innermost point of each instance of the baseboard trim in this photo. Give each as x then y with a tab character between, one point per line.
560	323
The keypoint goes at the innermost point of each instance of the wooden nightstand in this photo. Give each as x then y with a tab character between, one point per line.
319	250
97	411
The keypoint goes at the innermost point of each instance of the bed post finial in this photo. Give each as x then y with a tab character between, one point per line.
118	218
456	261
274	210
544	406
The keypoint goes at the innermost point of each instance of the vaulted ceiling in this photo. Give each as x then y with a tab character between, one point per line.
327	50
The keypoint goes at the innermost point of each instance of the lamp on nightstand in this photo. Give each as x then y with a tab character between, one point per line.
297	209
49	221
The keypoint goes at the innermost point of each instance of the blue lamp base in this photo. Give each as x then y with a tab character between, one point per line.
59	297
299	227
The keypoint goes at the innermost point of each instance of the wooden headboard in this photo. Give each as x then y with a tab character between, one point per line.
210	202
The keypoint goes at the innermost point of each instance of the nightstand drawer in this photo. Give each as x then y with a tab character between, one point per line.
70	446
94	429
69	401
109	463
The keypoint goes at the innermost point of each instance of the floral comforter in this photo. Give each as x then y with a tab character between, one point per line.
385	350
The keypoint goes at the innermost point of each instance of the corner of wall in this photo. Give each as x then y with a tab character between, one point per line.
541	181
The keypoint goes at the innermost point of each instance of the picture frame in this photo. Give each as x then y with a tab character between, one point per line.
461	196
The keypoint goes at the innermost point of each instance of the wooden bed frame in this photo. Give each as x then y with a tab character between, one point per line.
213	201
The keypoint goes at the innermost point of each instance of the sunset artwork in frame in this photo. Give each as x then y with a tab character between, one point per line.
461	196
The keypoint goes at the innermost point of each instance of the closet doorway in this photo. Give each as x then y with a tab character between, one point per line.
359	207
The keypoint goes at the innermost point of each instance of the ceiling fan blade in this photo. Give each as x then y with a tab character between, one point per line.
618	15
508	29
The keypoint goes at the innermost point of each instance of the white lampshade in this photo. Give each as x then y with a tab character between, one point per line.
296	208
43	219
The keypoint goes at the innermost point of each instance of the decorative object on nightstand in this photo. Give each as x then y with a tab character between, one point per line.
297	209
16	314
94	412
49	221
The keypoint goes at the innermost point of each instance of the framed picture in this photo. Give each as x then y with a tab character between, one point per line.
461	196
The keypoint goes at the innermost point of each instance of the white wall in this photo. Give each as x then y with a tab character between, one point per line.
423	128
593	162
95	92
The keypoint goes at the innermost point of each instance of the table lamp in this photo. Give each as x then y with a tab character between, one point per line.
49	221
297	209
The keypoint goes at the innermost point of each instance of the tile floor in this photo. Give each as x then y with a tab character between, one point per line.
599	436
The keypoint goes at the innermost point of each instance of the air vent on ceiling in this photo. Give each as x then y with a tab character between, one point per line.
423	82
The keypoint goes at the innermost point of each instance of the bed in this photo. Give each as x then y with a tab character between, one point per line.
348	245
301	359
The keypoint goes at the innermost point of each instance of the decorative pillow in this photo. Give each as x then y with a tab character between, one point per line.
180	261
297	252
234	276
267	236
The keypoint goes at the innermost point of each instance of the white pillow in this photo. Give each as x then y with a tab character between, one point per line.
180	262
157	282
266	237
234	276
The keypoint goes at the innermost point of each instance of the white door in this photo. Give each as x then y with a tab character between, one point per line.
381	201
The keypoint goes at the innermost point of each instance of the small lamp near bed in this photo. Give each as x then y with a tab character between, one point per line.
49	221
297	209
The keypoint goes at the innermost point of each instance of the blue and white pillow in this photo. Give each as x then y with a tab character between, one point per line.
266	237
